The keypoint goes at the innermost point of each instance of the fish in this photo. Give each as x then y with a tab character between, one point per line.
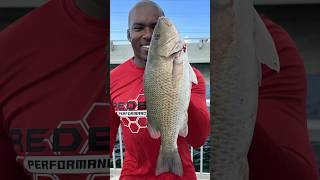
240	44
168	78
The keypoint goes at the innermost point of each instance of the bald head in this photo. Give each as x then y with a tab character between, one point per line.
142	19
143	4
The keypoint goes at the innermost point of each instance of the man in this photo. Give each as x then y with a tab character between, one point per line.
52	93
127	94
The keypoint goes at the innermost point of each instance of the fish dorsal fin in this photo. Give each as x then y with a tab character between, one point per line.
265	49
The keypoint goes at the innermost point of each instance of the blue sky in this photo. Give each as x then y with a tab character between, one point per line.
191	17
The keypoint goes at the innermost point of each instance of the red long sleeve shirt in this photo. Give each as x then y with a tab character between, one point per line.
141	151
280	149
52	95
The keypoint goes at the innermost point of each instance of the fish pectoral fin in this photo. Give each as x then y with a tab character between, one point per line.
154	133
184	129
266	52
193	76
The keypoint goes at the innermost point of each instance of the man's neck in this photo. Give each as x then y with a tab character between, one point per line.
139	63
96	9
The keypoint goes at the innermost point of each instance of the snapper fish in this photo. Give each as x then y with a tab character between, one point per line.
168	78
241	43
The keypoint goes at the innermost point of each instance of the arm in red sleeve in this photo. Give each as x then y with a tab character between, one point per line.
280	148
114	126
198	115
9	169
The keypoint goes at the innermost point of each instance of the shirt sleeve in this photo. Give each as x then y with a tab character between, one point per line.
10	169
280	147
114	126
198	115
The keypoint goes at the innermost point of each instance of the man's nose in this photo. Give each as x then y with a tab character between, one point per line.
148	33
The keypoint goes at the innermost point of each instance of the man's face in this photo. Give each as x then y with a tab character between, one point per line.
141	24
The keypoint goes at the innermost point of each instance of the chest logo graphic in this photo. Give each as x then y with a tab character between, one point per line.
74	147
133	114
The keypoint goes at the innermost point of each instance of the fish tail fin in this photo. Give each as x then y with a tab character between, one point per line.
169	162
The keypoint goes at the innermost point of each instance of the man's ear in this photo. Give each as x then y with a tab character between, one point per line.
128	35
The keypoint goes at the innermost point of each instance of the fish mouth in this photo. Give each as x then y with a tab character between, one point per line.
165	21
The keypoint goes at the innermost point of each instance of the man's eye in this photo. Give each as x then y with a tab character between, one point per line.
138	28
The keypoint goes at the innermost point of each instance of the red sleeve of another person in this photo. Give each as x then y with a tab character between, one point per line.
281	149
